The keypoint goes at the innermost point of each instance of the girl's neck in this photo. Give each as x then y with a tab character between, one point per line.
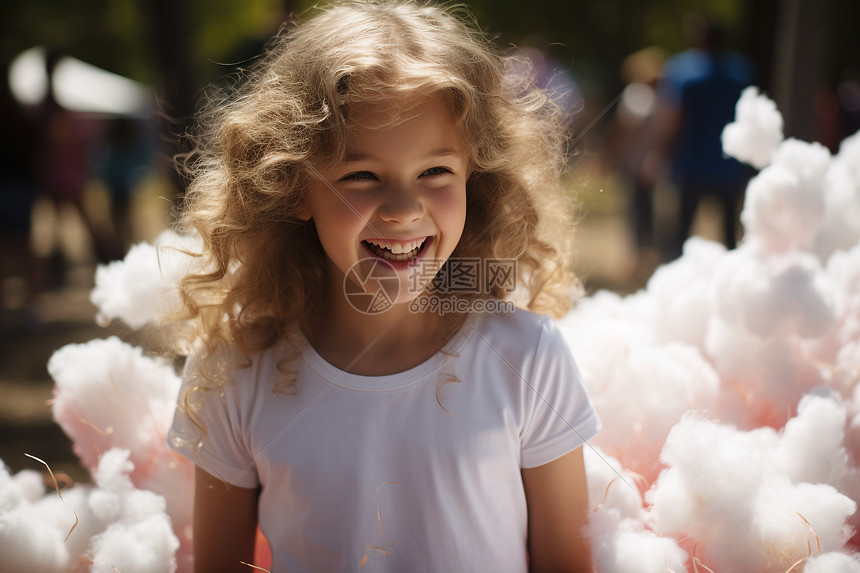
389	342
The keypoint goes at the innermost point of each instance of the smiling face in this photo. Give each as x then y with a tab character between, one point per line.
398	196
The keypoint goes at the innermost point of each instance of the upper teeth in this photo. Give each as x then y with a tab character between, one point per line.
397	248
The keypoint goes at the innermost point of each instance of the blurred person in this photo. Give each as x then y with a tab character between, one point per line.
848	95
122	162
697	93
631	145
551	75
18	192
64	167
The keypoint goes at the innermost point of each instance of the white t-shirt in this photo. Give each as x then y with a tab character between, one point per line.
403	472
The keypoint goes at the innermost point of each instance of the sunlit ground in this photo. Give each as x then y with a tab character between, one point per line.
606	255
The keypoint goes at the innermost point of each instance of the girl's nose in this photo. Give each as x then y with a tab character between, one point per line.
401	205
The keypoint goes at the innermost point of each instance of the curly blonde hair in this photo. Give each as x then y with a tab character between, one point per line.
258	143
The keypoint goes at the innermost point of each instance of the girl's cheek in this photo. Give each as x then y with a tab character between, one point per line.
353	205
448	196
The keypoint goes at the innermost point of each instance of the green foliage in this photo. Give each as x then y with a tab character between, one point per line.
588	37
598	34
108	33
225	27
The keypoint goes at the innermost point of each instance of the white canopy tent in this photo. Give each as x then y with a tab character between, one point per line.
78	86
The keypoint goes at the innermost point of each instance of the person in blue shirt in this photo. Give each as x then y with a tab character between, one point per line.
697	92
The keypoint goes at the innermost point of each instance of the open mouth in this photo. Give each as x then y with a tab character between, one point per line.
396	251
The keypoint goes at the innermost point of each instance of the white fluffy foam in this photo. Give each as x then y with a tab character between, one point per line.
119	527
142	288
109	394
762	470
833	562
785	203
756	132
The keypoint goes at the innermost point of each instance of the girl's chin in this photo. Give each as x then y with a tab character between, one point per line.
373	284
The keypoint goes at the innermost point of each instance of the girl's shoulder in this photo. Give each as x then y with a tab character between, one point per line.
519	332
231	367
516	322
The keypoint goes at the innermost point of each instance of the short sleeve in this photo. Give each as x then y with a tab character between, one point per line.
559	415
223	450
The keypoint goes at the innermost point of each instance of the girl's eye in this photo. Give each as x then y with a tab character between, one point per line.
359	176
436	171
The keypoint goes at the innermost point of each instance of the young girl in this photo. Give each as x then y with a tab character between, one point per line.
373	199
